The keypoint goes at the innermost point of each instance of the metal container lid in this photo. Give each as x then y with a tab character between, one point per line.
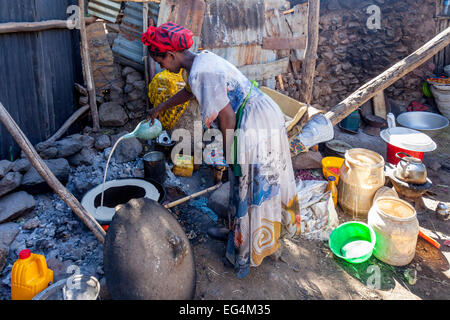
408	139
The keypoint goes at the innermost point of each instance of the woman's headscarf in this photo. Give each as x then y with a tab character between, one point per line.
167	37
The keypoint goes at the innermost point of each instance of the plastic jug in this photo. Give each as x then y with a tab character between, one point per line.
361	175
29	276
145	131
351	122
333	188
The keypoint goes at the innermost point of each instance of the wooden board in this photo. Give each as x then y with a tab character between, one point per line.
265	70
287	26
379	105
279	43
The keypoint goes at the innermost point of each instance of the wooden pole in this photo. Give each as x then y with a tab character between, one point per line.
87	69
12	27
152	66
145	51
192	196
48	176
309	64
387	78
67	124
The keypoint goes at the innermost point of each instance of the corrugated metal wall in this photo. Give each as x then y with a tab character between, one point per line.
37	71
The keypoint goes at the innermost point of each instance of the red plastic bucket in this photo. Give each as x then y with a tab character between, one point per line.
392	150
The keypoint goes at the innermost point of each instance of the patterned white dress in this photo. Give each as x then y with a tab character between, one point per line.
264	202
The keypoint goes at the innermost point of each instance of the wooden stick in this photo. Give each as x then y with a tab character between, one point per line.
81	90
280	81
387	78
192	196
152	67
309	64
145	51
48	176
12	27
87	69
67	124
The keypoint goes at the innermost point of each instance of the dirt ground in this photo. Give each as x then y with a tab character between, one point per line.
307	270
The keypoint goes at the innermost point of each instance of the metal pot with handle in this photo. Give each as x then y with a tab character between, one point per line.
410	169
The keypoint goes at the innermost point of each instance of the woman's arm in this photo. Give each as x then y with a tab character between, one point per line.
179	98
227	120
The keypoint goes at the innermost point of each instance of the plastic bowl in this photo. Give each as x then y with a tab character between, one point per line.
353	241
331	162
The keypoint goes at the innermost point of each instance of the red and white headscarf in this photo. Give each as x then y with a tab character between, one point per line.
168	37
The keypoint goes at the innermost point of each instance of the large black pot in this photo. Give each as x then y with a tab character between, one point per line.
147	255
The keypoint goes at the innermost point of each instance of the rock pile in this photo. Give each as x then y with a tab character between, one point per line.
350	54
126	100
44	224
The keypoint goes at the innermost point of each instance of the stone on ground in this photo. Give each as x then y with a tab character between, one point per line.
16	205
21	165
69	146
10	182
49	153
8	232
31	224
5	167
33	182
84	157
112	114
127	150
102	142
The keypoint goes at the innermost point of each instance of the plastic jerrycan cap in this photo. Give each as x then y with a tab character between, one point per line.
24	254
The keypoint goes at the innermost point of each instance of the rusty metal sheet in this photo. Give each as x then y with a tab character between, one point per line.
188	13
233	23
279	43
132	22
105	9
128	44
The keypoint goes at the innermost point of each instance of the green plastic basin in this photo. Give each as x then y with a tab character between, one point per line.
353	241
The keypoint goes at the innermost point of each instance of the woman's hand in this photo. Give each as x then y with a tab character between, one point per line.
154	113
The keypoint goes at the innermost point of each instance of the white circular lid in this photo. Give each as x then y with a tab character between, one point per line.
409	139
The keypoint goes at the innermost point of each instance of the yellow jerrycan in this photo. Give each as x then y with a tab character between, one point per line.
29	276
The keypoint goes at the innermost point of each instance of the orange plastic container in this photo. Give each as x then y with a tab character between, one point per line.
332	162
333	188
29	276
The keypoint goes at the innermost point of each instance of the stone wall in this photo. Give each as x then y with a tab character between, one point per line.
350	54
